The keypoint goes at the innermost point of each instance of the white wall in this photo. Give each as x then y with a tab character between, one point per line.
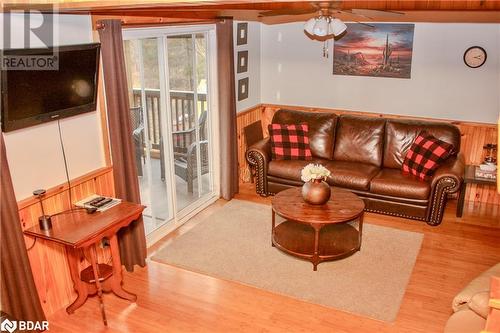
293	72
253	73
34	153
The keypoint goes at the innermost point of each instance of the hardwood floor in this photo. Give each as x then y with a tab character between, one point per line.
174	300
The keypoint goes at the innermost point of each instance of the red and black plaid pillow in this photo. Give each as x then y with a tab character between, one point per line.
426	154
290	142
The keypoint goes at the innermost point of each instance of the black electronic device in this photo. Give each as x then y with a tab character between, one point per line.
31	97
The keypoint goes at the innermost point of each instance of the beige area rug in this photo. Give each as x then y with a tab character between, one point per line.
235	244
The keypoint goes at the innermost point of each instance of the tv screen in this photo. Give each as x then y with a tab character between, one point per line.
30	97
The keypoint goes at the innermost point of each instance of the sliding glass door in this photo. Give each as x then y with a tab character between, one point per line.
169	75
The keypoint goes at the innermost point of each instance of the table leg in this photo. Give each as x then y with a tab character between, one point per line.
461	199
272	228
315	258
78	285
360	230
117	277
93	261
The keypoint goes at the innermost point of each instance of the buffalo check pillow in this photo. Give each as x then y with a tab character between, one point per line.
426	154
290	142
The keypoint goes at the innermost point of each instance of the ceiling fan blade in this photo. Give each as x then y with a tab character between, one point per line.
348	11
375	12
366	24
279	12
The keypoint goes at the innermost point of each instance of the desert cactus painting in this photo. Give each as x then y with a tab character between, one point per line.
384	50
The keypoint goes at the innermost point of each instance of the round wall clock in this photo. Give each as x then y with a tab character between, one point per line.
475	56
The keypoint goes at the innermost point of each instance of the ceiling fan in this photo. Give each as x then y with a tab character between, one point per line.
324	24
329	7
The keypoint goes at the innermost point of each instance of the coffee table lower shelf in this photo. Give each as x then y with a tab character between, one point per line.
335	241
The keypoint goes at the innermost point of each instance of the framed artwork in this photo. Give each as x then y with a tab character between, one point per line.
242	31
242	62
242	89
382	51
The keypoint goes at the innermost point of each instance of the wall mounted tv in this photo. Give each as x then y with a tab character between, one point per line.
31	97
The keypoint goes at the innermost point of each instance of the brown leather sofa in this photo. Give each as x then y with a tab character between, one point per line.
364	155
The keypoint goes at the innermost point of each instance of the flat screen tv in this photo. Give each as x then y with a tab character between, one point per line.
31	97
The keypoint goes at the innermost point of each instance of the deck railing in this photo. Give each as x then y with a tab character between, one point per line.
183	112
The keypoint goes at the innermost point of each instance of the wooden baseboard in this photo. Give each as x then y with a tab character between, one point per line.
474	136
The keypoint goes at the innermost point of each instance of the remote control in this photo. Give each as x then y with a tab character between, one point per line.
96	201
103	202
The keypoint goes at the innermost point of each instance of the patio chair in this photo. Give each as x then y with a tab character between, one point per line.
138	137
185	158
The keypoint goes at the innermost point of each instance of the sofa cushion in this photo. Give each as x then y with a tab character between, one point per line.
400	135
321	129
289	142
393	183
351	175
426	154
360	139
289	169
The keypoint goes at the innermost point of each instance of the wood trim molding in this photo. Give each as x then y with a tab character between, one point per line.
374	114
249	110
149	21
56	190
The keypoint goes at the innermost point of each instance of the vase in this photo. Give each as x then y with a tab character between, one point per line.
316	192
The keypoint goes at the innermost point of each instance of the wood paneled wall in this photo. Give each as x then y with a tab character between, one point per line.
474	137
47	259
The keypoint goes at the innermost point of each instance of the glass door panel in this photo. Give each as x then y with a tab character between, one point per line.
188	86
204	173
141	56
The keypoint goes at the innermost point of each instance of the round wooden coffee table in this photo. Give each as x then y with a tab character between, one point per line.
318	232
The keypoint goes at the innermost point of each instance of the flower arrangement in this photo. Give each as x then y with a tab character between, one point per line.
314	171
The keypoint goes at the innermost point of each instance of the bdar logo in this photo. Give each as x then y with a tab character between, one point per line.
9	326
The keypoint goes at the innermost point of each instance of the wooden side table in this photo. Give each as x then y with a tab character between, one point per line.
81	232
470	178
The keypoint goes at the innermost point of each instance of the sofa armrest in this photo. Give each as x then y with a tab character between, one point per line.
480	284
447	179
259	156
453	169
479	303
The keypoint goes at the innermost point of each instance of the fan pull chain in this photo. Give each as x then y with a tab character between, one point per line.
325	49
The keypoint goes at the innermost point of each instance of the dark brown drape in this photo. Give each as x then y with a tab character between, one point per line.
132	239
227	109
19	295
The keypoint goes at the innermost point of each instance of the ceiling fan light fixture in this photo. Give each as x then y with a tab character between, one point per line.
337	27
309	25
321	27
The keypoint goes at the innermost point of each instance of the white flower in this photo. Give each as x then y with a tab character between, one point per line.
314	171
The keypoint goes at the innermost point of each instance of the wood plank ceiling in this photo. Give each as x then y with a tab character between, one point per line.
171	11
